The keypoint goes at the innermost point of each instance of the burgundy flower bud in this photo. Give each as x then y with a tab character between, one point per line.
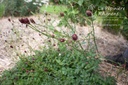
21	20
11	46
26	21
9	19
89	13
25	51
39	34
62	40
32	21
74	37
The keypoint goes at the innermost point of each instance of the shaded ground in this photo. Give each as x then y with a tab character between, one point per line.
17	39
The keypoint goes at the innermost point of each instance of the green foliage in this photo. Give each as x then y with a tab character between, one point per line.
19	8
2	8
53	67
54	9
77	10
124	31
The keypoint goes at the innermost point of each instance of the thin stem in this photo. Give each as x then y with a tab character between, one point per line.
37	30
93	34
80	45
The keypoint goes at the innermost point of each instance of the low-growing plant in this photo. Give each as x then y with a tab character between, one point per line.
60	66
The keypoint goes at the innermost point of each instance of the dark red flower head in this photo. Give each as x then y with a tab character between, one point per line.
11	46
74	37
9	19
21	20
32	21
62	40
89	13
24	21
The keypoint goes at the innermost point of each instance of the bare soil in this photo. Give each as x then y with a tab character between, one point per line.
17	39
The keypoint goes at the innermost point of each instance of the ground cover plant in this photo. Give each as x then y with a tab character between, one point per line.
63	67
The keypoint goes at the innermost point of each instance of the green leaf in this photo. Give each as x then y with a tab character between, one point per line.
59	62
80	2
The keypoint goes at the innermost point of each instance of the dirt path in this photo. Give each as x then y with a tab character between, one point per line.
16	39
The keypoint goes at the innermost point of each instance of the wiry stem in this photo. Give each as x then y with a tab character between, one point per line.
93	34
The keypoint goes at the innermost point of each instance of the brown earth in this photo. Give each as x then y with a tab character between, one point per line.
17	39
